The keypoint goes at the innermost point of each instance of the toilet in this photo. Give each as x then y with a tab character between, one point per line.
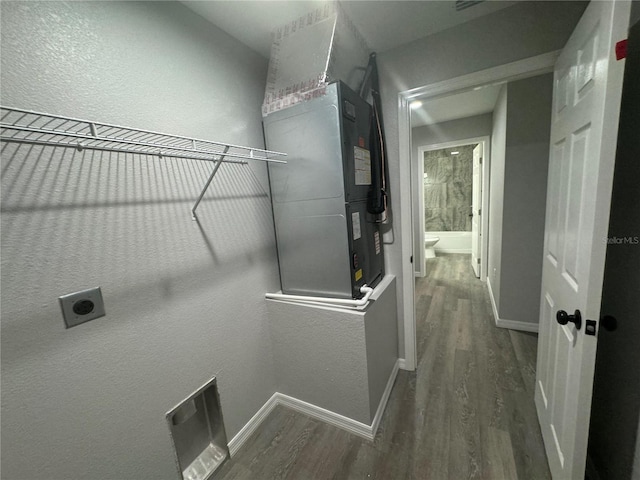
429	242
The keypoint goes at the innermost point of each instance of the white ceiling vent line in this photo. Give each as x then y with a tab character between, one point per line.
464	4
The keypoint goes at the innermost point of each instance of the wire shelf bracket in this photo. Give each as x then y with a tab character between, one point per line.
35	128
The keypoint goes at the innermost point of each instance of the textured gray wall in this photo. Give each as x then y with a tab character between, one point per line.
447	189
316	347
461	129
518	192
524	30
496	192
382	340
525	197
184	300
336	359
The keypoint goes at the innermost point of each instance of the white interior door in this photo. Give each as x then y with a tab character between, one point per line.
586	104
476	203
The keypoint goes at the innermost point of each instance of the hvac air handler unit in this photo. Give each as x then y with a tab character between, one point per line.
328	243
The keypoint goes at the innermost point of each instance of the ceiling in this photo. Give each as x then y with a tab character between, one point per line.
468	104
383	24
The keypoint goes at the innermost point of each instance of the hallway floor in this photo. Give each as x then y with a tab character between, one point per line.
467	412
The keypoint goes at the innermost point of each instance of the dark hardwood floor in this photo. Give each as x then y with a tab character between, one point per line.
467	412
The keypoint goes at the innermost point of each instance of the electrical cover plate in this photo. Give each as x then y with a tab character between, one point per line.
81	307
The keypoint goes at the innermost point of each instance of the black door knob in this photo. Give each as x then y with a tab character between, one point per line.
563	318
609	323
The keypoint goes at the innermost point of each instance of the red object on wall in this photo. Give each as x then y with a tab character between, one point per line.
621	49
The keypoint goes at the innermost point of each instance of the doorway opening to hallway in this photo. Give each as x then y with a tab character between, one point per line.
450	202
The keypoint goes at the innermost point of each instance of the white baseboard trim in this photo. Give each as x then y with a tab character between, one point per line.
402	364
493	301
384	399
368	432
516	325
510	324
243	435
327	416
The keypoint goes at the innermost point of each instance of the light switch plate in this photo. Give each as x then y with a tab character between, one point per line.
81	307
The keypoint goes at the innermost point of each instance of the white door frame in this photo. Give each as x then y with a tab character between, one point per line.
484	226
528	67
478	157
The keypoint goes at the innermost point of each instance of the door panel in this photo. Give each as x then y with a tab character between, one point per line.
572	235
554	208
586	103
544	375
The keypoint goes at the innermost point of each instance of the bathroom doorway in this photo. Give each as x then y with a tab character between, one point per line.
453	179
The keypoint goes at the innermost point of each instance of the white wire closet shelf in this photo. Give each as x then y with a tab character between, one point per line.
25	126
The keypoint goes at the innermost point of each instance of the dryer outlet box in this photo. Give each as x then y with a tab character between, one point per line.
81	307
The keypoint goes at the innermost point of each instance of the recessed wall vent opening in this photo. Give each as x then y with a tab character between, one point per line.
462	4
197	433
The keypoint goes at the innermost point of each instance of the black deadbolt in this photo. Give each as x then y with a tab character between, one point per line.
563	318
83	307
